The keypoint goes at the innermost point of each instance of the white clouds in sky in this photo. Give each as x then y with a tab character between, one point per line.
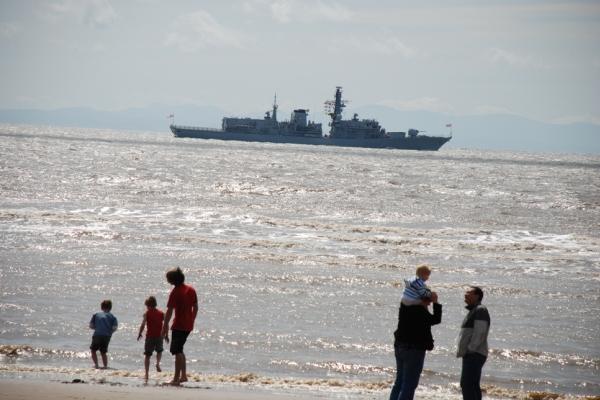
502	56
9	29
488	109
199	30
281	11
383	44
92	13
287	11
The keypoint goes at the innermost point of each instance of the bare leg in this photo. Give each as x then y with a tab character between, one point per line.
95	359
158	357
146	366
179	360
183	377
104	359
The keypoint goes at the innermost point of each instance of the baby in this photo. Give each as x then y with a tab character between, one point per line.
415	289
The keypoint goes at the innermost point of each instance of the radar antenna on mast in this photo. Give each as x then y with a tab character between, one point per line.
334	108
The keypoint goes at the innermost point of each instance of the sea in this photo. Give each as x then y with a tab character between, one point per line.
298	255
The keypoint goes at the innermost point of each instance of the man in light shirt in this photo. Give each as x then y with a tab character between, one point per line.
472	343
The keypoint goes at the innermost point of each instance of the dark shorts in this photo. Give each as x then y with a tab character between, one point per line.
178	339
153	344
100	343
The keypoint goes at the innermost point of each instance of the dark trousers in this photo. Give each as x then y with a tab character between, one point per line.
471	376
409	364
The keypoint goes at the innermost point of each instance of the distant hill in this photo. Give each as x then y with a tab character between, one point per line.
494	132
151	118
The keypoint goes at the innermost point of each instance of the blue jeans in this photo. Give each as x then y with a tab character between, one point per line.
409	364
470	377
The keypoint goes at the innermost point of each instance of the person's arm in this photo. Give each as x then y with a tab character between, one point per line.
437	314
142	326
195	307
115	324
436	317
93	322
165	329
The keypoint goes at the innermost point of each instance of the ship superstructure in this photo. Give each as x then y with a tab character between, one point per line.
298	125
350	128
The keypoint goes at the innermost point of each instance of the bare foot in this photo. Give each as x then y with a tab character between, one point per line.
184	379
158	368
172	383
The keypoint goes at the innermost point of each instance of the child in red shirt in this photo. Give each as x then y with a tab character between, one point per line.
153	319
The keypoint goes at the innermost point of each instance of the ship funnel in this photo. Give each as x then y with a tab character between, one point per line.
299	117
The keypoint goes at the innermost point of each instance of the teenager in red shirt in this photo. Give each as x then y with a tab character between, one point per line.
184	301
153	319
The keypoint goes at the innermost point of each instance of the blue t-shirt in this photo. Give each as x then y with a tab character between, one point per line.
103	324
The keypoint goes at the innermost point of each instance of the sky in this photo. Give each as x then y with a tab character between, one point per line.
537	59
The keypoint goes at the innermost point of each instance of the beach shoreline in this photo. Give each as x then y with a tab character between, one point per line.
20	389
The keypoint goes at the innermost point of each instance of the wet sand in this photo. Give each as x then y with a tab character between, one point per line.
26	390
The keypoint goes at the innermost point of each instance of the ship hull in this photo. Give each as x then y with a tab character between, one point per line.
430	143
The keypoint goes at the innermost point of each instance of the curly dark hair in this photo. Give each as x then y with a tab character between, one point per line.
106	305
151	302
175	276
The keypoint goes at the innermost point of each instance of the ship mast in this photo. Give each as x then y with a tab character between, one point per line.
275	107
334	107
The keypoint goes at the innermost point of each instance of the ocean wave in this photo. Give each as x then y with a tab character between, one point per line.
544	358
233	188
25	351
336	366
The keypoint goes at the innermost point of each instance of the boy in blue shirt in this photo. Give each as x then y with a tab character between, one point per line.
104	324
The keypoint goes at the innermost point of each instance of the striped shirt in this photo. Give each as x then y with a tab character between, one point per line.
415	290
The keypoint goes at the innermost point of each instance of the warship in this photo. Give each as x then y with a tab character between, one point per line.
299	130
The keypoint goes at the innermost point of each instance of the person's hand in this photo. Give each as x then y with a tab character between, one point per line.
166	338
434	297
139	337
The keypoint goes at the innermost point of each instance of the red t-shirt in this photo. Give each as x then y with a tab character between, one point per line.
154	322
182	299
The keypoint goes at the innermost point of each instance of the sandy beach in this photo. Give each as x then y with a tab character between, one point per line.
21	390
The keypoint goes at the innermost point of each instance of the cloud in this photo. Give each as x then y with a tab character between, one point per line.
200	30
287	11
492	110
332	12
92	13
573	119
383	44
420	104
9	29
501	56
392	45
281	11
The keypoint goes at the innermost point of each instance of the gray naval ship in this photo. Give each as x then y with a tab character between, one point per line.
299	130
